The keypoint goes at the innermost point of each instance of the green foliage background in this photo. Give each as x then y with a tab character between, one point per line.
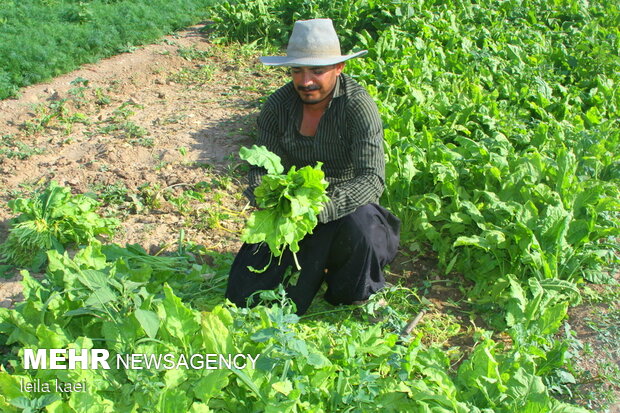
43	39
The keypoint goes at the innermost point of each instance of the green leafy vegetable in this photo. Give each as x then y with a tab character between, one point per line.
52	221
288	204
260	156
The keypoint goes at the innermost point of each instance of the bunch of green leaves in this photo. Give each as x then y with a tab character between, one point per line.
288	204
53	220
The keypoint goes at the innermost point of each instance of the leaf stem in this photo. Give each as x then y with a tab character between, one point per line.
296	262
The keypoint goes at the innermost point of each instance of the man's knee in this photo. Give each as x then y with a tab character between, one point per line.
369	227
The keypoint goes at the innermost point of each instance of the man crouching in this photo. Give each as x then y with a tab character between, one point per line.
323	115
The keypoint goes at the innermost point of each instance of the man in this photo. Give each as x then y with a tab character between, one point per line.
324	115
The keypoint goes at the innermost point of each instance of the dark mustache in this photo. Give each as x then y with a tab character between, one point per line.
307	88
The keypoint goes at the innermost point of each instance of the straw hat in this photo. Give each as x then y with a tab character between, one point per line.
312	43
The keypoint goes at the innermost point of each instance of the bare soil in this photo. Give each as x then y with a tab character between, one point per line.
144	128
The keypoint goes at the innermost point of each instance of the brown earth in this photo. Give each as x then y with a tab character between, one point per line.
143	128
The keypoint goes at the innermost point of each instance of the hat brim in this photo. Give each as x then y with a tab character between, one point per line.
308	61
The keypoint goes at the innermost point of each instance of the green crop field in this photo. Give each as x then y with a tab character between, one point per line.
42	39
502	133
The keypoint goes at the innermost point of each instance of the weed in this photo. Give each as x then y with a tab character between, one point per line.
158	69
127	48
120	125
24	189
125	111
111	194
56	112
182	202
212	218
79	13
149	195
175	118
11	147
141	141
101	98
204	165
191	54
160	164
126	129
221	181
118	198
77	92
168	42
194	76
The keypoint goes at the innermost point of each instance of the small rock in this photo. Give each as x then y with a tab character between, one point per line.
120	173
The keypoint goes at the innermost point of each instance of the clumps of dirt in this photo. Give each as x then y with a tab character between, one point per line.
10	291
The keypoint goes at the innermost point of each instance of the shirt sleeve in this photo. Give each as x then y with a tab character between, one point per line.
365	130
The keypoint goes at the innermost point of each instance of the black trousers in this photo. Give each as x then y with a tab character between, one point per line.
353	249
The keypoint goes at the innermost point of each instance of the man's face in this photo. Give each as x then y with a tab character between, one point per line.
315	83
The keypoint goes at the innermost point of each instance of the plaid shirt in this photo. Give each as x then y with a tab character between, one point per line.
349	142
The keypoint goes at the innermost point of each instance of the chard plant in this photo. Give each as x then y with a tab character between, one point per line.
54	220
288	203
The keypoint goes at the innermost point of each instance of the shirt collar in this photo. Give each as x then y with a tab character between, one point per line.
338	88
338	91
